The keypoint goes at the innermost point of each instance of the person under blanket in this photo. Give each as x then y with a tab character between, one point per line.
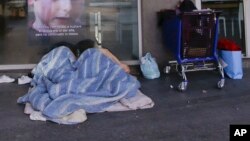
68	79
83	45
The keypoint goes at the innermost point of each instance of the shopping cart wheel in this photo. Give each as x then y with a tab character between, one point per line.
221	83
183	86
167	69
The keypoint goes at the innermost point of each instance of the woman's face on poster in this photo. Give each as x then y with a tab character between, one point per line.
54	13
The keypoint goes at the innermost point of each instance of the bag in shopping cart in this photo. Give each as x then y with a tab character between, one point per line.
149	67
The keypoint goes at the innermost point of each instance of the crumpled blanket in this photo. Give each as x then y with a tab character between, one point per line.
62	85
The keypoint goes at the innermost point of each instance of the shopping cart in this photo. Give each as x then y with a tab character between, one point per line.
192	38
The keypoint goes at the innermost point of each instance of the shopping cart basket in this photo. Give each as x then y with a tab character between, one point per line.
192	38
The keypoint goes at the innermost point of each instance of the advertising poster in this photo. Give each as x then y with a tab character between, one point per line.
55	20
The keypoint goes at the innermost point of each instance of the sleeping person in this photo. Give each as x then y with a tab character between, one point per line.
83	45
69	81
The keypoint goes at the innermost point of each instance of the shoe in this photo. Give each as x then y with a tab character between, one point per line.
6	79
24	80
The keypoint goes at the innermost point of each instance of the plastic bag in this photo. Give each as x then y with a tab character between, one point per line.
230	58
149	67
232	63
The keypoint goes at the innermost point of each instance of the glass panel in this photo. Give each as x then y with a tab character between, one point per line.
231	21
22	43
29	30
119	26
13	41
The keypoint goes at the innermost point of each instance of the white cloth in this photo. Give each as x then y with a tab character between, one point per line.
76	117
28	109
139	101
6	79
35	115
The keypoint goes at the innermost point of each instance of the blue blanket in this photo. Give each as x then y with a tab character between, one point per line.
62	84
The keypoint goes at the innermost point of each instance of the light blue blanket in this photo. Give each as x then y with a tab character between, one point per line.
62	84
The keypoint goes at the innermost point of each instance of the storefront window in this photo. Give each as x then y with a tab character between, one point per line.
28	29
119	26
231	20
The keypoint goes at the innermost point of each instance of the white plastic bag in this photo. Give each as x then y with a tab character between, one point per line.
149	67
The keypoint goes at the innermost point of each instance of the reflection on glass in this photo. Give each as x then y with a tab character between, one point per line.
13	41
119	26
231	21
18	22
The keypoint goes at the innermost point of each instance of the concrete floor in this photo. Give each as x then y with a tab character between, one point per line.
202	113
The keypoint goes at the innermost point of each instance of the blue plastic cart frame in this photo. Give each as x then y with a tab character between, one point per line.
172	36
